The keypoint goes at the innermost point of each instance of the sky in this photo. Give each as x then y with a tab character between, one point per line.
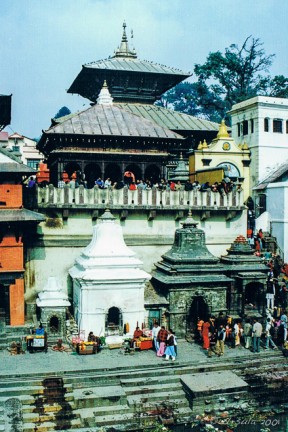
43	44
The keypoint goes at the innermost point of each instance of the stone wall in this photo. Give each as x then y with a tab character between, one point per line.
148	229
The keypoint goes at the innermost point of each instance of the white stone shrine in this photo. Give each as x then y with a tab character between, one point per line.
53	302
108	282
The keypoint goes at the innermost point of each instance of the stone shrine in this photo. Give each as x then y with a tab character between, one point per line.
53	303
192	278
249	273
108	283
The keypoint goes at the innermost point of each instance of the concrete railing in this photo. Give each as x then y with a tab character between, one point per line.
123	198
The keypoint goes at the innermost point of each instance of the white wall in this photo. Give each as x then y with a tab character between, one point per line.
268	149
277	206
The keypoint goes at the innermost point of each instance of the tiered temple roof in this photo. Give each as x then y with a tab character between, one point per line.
128	78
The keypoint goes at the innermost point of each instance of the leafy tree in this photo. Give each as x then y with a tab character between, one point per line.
225	79
62	112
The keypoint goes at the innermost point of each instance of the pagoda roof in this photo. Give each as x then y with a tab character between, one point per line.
111	120
134	65
126	76
5	110
20	215
166	118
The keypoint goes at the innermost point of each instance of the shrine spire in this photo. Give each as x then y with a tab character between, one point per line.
123	50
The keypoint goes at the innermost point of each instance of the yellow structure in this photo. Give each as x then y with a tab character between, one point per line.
223	153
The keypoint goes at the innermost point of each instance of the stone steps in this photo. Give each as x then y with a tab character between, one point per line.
154	388
49	417
55	407
51	426
29	390
139	399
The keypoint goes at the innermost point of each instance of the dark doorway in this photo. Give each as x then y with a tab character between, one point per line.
113	316
92	173
113	171
136	170
198	309
252	297
71	168
152	173
54	324
4	305
114	324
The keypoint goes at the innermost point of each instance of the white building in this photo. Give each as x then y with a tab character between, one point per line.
262	122
108	283
27	148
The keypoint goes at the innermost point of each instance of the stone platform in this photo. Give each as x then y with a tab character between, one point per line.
213	382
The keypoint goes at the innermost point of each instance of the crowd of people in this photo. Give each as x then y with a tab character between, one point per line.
79	179
216	333
165	342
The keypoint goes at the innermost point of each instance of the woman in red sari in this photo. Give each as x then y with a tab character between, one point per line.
205	335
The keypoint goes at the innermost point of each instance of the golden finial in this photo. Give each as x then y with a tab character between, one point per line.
223	133
240	146
200	146
244	147
205	145
105	84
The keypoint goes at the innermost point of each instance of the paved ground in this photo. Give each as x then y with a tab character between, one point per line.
108	359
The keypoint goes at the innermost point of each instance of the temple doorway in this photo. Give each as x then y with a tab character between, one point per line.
134	169
54	324
198	310
71	168
114	321
252	298
152	173
113	171
92	173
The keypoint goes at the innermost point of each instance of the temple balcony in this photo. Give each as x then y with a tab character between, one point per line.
124	199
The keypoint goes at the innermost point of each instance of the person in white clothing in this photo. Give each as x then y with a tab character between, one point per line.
155	332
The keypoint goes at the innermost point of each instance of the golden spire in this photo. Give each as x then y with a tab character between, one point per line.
223	133
244	147
240	146
123	50
200	146
205	145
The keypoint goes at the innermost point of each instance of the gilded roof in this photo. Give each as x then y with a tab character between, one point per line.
111	120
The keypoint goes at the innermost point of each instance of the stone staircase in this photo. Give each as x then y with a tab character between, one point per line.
9	334
131	399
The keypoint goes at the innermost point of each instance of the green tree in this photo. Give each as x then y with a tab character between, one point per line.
225	79
62	112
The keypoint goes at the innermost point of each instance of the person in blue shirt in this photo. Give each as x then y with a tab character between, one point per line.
40	330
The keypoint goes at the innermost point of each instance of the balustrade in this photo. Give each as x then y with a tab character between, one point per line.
123	198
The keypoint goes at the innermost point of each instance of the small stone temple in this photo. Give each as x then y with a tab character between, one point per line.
249	274
193	280
53	303
108	282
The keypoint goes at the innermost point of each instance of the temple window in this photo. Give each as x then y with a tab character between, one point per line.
33	163
252	126
245	127
277	126
266	125
286	126
239	129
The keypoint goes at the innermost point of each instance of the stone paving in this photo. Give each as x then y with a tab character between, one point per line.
52	361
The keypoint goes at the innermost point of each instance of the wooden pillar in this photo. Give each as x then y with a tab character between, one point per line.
17	303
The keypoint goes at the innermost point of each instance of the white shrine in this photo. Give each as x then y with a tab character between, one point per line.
108	282
53	302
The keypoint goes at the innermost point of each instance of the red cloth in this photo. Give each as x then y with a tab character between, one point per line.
132	187
205	335
172	186
162	335
257	245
